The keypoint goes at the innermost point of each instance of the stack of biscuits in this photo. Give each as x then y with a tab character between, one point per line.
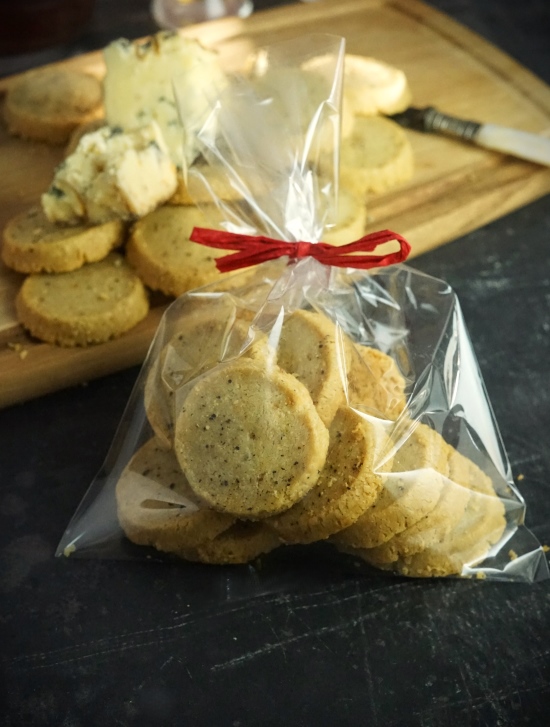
122	213
257	441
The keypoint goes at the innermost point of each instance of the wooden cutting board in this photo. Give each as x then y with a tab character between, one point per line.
456	187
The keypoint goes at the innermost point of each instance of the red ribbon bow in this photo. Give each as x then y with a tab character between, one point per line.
253	250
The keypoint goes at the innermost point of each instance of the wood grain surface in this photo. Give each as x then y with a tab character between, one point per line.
456	187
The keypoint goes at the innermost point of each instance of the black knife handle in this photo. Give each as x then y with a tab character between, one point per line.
434	120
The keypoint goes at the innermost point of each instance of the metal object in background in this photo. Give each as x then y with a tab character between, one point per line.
533	147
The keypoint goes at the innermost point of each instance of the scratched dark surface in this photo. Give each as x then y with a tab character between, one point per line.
309	642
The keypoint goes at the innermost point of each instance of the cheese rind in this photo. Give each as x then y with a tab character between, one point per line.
138	88
112	175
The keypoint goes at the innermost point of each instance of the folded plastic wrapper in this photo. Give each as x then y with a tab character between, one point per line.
295	405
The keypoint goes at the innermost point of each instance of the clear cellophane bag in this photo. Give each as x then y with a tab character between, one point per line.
295	405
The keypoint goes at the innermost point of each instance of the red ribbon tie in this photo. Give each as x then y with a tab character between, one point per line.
253	250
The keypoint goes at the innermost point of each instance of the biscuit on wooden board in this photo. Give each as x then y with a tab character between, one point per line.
49	103
33	244
205	184
165	259
97	302
376	157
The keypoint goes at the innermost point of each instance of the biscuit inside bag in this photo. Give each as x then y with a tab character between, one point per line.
306	403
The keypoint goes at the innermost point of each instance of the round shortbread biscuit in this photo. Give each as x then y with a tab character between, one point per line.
481	526
428	531
374	87
90	305
445	547
241	543
308	349
205	337
250	440
467	473
158	400
411	491
47	104
156	506
375	382
348	484
205	184
376	157
165	259
33	244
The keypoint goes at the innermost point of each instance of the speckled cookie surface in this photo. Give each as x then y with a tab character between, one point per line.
376	383
90	305
33	244
206	336
308	349
376	157
156	506
250	440
348	484
163	256
411	490
47	104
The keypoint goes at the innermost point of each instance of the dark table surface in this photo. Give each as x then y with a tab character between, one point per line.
94	643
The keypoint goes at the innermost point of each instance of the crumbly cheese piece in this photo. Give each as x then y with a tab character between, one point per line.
112	175
138	87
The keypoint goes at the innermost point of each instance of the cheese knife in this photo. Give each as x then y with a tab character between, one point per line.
533	147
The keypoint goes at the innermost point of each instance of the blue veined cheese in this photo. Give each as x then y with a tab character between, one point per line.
138	88
112	175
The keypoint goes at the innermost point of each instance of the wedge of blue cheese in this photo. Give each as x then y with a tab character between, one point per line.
139	88
111	175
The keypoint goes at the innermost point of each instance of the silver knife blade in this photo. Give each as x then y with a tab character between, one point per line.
532	147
